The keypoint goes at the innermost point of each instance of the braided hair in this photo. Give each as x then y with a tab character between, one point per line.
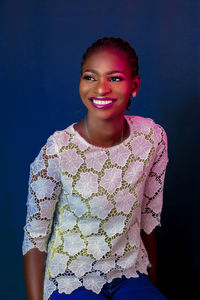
116	43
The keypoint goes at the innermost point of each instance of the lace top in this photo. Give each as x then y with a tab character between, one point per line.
102	197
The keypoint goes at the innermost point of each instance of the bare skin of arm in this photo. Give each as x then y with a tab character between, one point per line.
34	267
150	243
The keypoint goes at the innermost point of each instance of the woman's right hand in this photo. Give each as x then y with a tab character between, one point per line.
34	268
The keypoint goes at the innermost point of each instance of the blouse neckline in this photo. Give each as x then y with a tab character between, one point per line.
75	132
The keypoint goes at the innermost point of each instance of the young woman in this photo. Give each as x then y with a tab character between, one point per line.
103	177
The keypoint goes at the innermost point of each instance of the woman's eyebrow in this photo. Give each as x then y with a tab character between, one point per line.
115	71
90	70
107	73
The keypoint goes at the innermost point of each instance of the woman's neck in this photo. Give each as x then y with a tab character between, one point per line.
105	133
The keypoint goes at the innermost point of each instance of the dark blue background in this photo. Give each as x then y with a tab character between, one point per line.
41	44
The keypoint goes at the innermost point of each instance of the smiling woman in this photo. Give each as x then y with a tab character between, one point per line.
107	82
103	177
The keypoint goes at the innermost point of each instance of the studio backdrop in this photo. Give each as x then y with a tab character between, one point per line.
41	44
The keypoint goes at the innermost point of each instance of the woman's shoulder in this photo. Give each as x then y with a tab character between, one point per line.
146	126
60	138
140	122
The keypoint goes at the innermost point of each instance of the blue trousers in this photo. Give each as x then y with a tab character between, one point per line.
139	288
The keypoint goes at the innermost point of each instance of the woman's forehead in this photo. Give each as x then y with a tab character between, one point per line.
107	58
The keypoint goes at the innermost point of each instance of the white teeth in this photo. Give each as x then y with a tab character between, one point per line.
99	102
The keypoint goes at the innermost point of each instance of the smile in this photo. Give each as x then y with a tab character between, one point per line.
102	103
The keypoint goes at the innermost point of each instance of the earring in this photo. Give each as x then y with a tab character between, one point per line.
134	94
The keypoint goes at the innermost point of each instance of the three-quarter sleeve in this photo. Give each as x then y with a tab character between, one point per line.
154	184
43	194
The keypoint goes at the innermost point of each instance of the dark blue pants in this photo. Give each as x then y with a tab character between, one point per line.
139	288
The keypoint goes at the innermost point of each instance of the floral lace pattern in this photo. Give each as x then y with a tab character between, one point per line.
102	198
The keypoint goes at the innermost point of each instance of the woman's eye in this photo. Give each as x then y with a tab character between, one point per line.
116	78
87	77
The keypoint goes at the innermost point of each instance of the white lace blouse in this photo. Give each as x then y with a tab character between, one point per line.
102	198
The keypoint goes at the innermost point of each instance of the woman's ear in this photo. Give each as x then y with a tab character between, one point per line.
134	94
136	86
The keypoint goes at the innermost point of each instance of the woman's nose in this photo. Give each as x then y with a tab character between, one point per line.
103	87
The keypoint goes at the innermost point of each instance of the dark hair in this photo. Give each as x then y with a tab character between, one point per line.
116	43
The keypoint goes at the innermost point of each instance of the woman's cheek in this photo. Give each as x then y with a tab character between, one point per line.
84	89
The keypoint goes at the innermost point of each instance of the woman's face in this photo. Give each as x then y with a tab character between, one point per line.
107	83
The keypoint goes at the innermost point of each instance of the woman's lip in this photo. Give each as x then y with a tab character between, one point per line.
102	98
105	105
102	104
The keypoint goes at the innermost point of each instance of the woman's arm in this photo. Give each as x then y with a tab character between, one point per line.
43	195
34	266
150	243
153	199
